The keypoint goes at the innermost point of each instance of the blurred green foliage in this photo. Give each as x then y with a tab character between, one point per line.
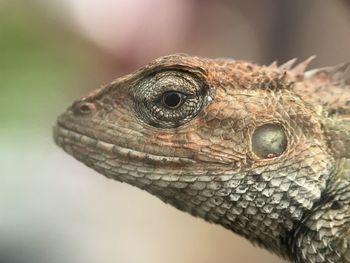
39	64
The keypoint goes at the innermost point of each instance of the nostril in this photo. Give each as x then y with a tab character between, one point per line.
84	108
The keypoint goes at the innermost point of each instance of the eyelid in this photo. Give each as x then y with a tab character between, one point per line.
177	86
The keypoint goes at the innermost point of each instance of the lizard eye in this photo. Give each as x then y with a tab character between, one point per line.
173	99
269	140
168	99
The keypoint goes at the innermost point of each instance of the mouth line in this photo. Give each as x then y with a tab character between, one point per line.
67	137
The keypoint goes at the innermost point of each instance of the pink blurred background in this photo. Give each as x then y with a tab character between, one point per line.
54	209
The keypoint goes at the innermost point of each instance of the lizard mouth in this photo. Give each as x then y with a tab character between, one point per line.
80	146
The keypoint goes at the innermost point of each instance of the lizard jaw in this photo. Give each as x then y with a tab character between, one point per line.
70	141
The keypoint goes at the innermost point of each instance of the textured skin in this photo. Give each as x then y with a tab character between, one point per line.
291	197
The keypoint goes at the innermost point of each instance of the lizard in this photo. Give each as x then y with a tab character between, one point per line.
260	150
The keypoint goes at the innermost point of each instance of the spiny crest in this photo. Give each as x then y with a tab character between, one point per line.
333	74
270	81
298	69
288	68
328	88
288	65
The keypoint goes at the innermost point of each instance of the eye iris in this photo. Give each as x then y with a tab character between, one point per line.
172	99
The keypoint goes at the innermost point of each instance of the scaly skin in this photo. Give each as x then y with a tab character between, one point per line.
260	150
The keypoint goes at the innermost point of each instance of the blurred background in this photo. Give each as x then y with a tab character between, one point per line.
53	208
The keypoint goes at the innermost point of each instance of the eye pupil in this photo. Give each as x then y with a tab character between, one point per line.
172	99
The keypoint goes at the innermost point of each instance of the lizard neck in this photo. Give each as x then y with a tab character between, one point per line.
263	207
322	234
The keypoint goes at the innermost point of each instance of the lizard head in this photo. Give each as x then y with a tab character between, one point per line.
235	143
